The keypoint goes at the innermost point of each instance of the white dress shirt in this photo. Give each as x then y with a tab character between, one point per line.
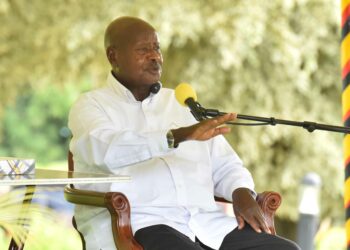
115	133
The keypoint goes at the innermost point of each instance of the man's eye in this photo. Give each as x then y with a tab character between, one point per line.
145	50
142	50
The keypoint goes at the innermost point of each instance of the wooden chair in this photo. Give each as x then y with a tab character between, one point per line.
119	208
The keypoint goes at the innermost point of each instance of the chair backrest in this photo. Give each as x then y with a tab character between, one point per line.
116	203
71	168
70	161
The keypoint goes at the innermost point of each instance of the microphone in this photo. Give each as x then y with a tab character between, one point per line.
186	96
155	87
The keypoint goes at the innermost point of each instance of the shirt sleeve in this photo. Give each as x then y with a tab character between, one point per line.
96	141
228	170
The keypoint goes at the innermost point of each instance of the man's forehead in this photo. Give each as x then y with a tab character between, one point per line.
132	39
124	31
146	37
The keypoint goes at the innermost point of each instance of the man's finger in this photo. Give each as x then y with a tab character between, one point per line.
240	222
255	225
225	118
222	130
217	121
264	226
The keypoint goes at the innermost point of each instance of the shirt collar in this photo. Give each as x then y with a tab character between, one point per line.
122	91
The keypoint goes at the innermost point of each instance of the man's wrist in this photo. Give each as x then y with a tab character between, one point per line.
242	192
180	135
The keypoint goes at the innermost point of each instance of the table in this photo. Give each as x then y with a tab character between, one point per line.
56	177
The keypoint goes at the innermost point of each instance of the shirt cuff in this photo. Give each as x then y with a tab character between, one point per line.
158	142
234	186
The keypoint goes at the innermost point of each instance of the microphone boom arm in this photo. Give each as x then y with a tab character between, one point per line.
309	126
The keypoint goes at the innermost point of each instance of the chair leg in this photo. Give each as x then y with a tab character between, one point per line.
80	234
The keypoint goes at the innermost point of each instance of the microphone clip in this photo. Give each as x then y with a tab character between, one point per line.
197	111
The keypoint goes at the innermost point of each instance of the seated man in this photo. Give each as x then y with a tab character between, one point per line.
132	126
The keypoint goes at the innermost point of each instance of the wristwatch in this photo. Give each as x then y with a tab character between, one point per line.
171	140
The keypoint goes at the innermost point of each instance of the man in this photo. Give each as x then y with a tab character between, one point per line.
177	165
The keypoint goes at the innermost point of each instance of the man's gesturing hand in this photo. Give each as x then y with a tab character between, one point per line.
247	210
203	130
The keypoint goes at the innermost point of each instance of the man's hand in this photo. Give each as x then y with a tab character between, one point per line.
204	130
247	210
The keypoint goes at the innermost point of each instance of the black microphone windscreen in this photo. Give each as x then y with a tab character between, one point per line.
155	87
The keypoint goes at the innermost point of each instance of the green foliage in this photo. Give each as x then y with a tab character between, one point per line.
23	218
36	126
267	58
331	239
53	234
16	210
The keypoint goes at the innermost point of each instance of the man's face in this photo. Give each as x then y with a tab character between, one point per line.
140	61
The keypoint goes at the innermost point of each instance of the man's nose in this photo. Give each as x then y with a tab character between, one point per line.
154	54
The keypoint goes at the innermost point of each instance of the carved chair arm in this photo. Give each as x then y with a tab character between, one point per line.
119	208
269	202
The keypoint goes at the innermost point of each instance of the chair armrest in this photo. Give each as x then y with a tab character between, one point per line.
119	208
269	202
84	197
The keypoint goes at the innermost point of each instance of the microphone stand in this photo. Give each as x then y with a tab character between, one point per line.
309	126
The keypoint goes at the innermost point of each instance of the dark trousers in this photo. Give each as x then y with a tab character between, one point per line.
162	237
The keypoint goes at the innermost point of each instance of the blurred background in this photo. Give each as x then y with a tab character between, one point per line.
264	58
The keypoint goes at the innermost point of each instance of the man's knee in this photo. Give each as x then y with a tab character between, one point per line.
278	243
247	238
291	246
160	237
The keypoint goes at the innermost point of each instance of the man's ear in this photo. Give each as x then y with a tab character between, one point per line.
112	56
